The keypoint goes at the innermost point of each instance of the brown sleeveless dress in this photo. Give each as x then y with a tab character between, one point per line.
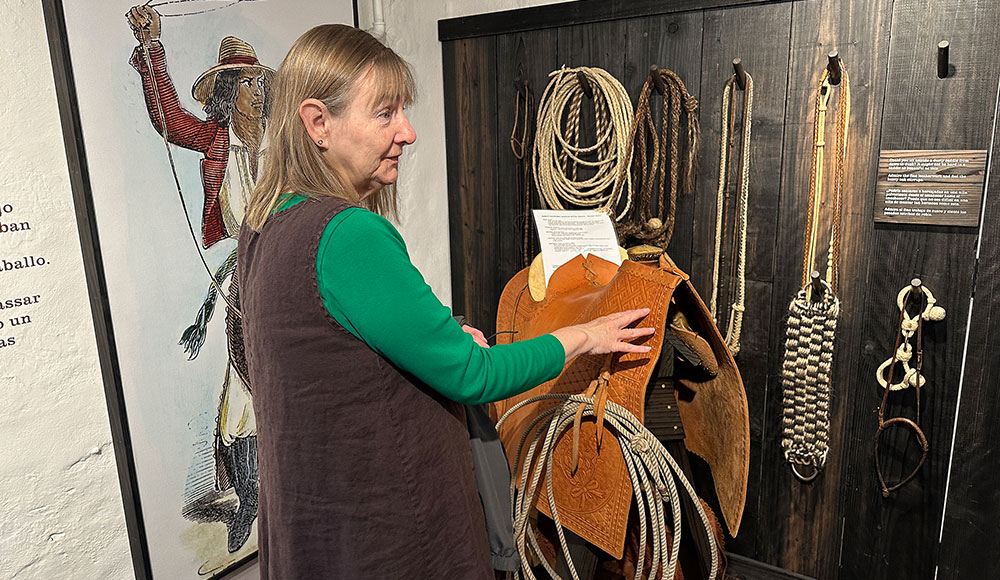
365	472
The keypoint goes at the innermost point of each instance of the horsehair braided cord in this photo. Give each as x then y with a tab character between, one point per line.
812	325
521	147
823	95
735	325
651	469
558	154
659	229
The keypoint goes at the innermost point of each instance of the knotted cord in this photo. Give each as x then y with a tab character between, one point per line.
521	147
665	141
558	155
902	352
812	322
738	256
653	473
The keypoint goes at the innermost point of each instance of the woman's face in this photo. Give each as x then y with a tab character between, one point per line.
368	139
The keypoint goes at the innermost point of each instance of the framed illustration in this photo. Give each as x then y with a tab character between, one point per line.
164	109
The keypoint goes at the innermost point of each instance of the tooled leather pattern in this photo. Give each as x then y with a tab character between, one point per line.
593	503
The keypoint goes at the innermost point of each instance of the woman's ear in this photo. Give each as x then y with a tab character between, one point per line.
316	119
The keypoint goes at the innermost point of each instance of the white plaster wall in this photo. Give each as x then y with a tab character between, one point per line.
61	514
60	508
411	30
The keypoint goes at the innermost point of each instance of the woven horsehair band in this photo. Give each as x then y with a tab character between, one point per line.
812	320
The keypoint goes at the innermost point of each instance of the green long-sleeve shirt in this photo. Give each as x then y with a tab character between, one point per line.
370	287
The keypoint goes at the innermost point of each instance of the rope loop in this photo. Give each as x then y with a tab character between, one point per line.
653	472
558	154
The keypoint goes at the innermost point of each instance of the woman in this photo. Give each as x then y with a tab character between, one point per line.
360	373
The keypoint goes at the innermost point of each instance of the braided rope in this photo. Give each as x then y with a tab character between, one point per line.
558	154
646	227
735	325
812	324
653	473
805	376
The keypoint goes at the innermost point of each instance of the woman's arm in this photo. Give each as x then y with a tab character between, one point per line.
370	287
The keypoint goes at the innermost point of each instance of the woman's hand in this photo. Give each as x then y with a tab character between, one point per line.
477	335
605	334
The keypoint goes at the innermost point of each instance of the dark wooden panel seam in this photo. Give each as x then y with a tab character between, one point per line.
572	13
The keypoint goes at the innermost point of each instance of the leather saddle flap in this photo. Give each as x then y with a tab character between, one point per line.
594	502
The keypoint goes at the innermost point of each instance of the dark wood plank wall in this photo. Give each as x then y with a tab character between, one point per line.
921	112
766	60
838	526
470	97
809	515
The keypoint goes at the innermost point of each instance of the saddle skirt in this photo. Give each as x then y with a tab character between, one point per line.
594	501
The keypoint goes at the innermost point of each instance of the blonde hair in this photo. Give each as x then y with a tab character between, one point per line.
325	63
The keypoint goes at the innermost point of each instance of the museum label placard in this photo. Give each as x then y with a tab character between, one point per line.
943	187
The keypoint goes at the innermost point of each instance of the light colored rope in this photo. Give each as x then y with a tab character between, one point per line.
652	471
812	323
558	154
735	325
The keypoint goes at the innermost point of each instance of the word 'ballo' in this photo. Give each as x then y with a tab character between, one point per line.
25	262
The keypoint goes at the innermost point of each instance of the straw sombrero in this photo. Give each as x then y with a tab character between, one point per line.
233	54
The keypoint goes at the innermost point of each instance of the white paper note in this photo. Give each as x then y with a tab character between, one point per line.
563	234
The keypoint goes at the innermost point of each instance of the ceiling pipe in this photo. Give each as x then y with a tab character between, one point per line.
378	20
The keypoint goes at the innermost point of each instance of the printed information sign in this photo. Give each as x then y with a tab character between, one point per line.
943	188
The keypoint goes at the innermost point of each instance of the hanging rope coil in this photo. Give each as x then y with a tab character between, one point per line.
812	322
558	155
650	175
653	473
734	326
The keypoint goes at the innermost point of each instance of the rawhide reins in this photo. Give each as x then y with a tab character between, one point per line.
665	141
521	146
812	321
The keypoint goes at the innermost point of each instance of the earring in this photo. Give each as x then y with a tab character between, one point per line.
320	142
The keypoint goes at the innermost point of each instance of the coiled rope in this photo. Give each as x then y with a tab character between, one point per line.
652	471
665	142
558	155
739	256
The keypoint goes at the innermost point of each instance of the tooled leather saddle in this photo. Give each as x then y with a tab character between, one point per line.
593	492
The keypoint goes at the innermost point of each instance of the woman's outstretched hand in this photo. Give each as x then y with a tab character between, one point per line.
605	334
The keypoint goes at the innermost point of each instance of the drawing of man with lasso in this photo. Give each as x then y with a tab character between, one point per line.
235	97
